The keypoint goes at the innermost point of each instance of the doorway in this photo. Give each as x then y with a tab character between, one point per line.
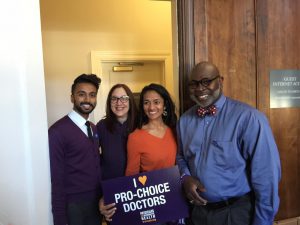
135	69
135	74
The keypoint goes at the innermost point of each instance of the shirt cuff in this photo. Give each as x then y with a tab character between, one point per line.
182	177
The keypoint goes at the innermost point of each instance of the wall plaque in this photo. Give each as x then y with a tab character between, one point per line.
284	88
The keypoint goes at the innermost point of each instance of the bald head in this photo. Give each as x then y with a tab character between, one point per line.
206	69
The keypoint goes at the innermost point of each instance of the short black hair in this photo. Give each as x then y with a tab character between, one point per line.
86	78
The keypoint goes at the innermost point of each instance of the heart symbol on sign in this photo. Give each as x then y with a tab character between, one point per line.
143	180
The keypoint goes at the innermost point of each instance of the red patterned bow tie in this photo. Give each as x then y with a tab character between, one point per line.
211	110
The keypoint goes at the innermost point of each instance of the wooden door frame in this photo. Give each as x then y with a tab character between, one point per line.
186	49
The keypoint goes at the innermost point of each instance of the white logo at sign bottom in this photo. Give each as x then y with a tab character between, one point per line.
148	216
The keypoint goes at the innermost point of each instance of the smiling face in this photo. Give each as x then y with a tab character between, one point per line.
205	85
84	99
119	103
153	105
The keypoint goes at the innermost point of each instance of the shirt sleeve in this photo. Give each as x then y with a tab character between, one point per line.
57	178
180	158
133	156
265	171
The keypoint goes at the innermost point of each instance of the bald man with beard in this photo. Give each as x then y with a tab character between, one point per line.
227	156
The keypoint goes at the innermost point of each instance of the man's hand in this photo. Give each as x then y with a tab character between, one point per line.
192	188
107	210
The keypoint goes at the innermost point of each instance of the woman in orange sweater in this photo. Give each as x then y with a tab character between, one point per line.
152	145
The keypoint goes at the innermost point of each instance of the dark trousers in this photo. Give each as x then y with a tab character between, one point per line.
84	213
238	213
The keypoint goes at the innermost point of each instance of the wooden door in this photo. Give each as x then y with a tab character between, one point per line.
278	47
246	39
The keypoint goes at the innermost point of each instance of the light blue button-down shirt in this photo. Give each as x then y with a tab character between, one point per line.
232	153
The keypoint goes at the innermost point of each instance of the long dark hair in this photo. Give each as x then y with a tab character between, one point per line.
170	118
110	118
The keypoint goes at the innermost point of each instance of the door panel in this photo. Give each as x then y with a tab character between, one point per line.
278	47
142	75
225	35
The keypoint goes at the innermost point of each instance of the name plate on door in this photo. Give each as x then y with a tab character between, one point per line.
284	88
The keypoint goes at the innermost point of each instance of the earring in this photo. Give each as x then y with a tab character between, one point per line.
165	113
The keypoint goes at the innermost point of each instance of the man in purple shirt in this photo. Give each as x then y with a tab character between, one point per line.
227	156
75	160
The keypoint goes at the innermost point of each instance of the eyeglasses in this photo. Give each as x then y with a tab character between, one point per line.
123	99
205	82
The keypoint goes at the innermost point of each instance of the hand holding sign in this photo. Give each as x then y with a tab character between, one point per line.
107	210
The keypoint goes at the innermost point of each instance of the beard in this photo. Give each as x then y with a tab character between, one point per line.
82	110
193	97
211	99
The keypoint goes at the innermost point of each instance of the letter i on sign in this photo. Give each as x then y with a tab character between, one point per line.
134	182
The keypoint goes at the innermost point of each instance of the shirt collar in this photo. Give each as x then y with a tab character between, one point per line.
220	102
77	118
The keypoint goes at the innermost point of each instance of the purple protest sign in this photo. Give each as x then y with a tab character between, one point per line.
146	198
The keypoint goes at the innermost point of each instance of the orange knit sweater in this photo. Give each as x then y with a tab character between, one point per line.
146	152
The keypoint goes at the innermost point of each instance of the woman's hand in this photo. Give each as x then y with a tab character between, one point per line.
107	210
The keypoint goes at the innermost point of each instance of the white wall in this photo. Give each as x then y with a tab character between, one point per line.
24	163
